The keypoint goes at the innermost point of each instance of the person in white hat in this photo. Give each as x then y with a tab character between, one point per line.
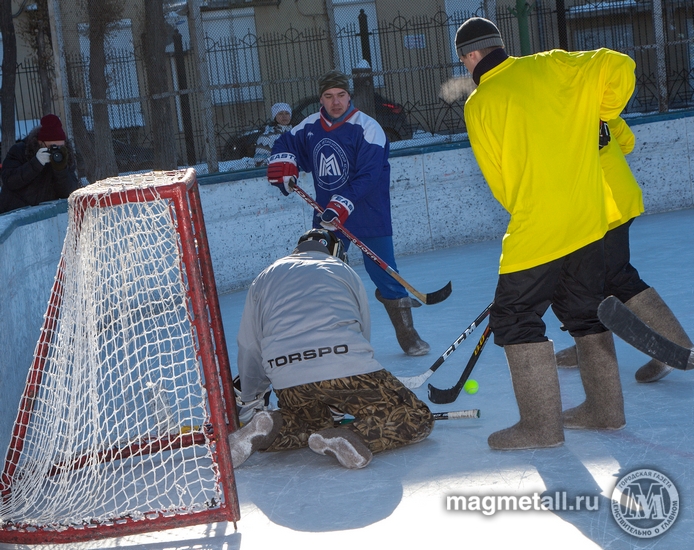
281	123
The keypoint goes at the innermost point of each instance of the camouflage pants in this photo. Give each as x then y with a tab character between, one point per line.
386	414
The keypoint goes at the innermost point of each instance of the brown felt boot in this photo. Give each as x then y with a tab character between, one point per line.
400	313
536	385
566	358
603	408
651	309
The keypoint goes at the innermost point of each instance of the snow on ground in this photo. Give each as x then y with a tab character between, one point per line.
302	500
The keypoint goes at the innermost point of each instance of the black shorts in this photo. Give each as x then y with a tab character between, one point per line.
573	285
621	278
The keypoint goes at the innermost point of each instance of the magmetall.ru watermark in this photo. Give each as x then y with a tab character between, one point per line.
645	503
491	504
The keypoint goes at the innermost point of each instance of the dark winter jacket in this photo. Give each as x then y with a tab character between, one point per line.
25	182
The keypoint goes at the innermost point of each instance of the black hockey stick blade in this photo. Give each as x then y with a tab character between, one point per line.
413	382
452	415
625	324
449	395
438	295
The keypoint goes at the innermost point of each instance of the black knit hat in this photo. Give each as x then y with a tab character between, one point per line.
333	79
477	33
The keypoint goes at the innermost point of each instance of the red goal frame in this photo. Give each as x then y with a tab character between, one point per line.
184	196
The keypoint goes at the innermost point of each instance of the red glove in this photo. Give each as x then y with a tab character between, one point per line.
281	171
338	207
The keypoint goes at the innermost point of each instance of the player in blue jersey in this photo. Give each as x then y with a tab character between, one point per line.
346	151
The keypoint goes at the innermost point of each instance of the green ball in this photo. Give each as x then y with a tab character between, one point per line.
471	386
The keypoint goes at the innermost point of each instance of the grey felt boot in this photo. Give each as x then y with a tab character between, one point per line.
566	358
400	313
603	408
257	435
346	446
536	385
651	309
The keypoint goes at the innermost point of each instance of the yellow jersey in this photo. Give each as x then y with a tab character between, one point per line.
618	175
533	125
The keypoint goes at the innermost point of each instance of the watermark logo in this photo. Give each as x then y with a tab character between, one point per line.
645	503
491	504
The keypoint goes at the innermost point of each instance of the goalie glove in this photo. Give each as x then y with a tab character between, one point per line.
338	207
282	171
246	410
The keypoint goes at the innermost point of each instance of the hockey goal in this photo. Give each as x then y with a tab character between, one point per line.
122	427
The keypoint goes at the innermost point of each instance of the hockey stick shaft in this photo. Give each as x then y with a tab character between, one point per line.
431	298
452	415
449	395
413	382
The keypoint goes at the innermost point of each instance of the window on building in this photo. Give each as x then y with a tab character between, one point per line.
232	55
121	76
349	43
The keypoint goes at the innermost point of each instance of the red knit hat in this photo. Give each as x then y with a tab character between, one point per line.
51	129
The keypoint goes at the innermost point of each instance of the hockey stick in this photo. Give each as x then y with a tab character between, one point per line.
450	415
430	298
413	382
625	324
469	413
449	395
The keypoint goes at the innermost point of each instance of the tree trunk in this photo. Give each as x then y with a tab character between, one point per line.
43	55
103	140
37	31
84	143
9	75
162	121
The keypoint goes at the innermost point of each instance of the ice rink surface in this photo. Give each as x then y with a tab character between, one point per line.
298	499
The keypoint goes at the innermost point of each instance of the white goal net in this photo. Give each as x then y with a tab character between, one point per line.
116	425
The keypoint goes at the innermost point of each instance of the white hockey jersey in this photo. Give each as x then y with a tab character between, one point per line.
306	319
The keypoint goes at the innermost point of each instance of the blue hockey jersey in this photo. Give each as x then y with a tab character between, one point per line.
350	159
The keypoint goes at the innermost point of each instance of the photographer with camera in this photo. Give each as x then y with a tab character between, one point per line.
39	168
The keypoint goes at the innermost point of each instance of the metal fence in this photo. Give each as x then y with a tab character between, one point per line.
419	83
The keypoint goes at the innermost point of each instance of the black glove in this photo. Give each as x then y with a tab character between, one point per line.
58	157
604	134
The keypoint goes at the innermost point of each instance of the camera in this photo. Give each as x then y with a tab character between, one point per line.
56	153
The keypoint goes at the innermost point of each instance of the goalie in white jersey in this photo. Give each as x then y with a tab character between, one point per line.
305	331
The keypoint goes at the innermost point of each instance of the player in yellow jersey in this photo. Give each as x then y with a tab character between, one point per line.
532	122
621	277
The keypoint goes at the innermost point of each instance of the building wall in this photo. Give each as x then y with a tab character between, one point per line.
439	199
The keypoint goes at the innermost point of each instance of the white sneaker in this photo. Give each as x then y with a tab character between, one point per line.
345	445
258	434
